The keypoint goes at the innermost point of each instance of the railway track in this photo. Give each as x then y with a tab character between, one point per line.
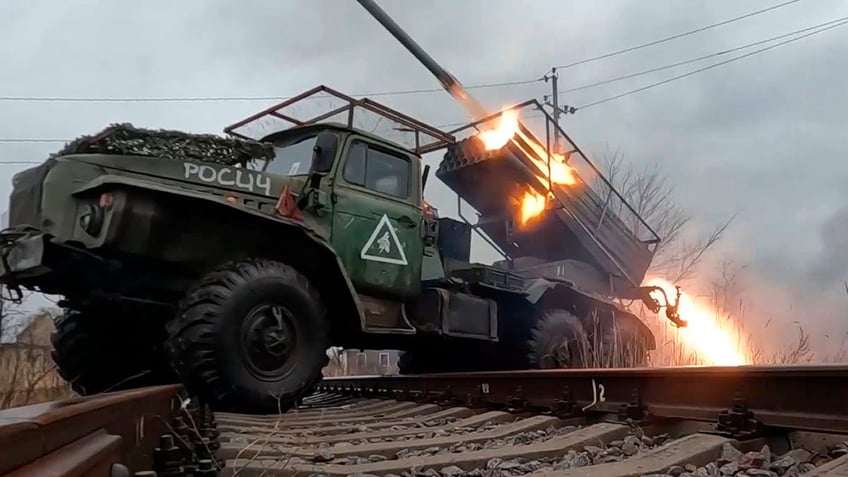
772	421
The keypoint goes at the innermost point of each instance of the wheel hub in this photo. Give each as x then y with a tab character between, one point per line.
269	339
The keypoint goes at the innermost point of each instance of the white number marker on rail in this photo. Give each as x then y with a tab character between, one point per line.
484	388
596	396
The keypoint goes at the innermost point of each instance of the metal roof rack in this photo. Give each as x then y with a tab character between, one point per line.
326	105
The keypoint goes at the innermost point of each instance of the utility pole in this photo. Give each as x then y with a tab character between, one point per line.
553	102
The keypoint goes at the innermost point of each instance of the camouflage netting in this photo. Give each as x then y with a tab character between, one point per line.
166	144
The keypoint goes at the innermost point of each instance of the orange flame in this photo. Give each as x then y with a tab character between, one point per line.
532	204
561	173
703	334
504	131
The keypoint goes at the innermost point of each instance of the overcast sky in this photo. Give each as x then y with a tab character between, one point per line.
764	137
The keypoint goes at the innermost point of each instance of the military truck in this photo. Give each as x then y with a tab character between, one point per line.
232	264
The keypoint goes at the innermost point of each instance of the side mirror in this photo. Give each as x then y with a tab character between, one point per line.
424	177
324	153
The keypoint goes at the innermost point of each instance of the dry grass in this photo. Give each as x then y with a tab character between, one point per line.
752	335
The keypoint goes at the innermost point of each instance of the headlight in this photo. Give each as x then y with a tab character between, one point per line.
91	219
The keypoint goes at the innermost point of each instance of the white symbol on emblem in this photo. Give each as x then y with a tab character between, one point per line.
383	244
387	254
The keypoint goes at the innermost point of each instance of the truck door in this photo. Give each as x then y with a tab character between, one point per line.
377	219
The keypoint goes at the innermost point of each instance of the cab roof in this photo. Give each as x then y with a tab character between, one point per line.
338	127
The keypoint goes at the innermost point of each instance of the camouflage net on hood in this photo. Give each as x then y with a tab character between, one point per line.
166	144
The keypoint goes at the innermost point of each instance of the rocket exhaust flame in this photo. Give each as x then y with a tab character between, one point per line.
498	136
532	204
506	129
702	333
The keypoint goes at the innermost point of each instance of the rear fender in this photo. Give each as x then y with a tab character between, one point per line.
547	293
344	301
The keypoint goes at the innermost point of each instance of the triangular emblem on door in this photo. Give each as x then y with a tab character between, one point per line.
383	245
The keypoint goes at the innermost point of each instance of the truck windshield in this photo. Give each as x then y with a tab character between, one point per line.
292	158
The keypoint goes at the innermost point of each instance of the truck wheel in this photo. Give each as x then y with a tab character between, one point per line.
96	351
251	337
558	341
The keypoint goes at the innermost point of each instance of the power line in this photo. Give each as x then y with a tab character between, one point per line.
375	93
674	37
714	65
830	25
700	58
827	26
64	99
54	140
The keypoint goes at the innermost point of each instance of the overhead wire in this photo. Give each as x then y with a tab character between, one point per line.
826	26
175	99
676	36
709	67
56	140
695	60
822	27
376	93
833	24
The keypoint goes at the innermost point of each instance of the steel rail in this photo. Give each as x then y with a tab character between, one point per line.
740	400
93	435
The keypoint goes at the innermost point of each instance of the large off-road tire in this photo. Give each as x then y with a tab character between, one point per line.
558	341
101	349
251	337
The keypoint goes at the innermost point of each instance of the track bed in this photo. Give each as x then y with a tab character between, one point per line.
430	427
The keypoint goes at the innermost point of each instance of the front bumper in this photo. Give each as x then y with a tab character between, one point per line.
32	259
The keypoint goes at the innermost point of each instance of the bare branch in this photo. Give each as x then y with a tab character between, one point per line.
652	196
692	256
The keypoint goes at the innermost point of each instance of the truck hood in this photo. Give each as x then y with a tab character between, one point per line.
231	178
